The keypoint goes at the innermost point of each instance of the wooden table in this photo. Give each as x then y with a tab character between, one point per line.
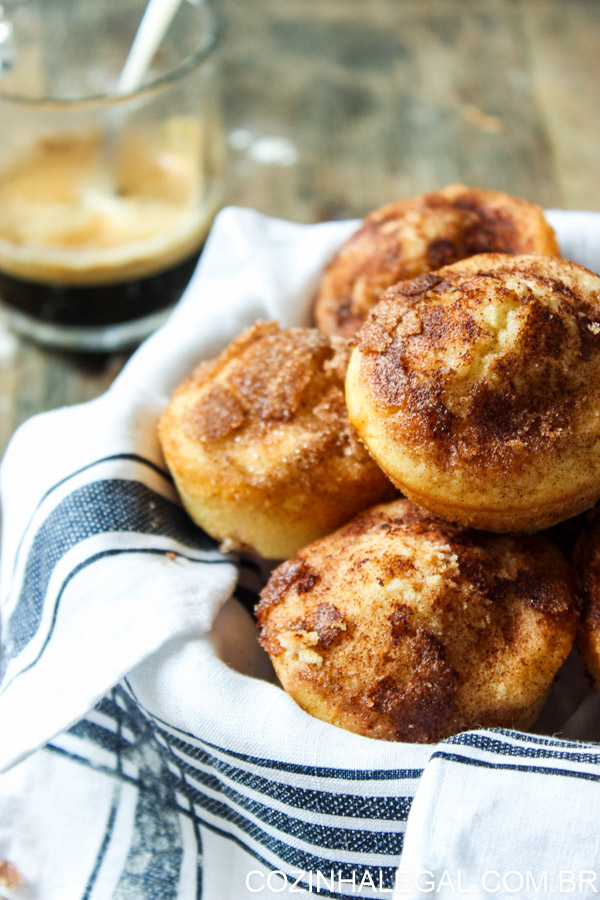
371	100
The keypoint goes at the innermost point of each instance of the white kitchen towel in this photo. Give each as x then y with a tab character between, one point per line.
148	751
499	813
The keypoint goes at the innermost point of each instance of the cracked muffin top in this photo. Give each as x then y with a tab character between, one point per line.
422	234
404	627
477	389
260	444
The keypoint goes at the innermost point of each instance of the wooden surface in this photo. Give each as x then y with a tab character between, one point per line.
333	107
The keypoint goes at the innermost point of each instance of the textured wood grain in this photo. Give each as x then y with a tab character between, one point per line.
565	73
333	107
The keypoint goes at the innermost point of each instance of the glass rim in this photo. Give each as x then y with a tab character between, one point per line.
189	63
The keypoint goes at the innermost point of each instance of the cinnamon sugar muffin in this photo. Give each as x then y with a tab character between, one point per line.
477	389
421	234
403	627
260	445
586	565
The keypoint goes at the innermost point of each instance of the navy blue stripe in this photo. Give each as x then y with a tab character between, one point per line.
152	867
84	761
109	706
316	801
155	847
84	565
387	874
120	738
389	808
132	457
353	841
387	877
294	857
103	737
103	848
334	837
347	805
535	738
515	767
111	505
175	786
115	456
483	741
315	771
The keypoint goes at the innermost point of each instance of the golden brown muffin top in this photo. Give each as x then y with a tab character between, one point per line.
488	360
272	406
421	234
266	376
405	627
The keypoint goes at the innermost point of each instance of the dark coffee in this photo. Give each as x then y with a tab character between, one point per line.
97	305
94	246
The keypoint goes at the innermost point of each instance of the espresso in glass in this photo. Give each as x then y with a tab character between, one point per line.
105	198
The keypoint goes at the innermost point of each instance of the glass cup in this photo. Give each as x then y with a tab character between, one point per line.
105	199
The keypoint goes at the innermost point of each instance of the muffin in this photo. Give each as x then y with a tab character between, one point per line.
260	445
586	565
477	389
404	627
406	239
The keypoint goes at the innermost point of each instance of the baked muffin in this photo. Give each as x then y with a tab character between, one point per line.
260	445
477	389
586	565
403	627
421	234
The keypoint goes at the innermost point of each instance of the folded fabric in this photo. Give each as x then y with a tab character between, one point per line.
506	814
148	751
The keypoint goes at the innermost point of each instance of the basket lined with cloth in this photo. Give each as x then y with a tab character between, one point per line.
148	752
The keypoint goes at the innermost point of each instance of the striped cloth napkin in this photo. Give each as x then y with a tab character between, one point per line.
147	750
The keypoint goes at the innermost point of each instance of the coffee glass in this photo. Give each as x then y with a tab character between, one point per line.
105	198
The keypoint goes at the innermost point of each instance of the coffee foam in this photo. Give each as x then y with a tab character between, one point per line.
77	210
